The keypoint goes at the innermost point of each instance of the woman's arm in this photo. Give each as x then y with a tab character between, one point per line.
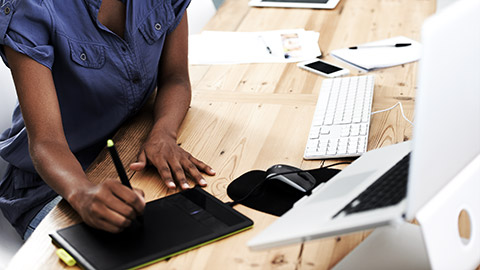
109	206
171	105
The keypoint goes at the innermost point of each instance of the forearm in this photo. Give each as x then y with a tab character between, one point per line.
173	85
171	105
59	168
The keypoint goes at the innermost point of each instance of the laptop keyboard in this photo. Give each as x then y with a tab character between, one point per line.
388	190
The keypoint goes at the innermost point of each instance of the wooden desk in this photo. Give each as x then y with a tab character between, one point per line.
252	116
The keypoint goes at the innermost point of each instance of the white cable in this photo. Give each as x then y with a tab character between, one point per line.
401	109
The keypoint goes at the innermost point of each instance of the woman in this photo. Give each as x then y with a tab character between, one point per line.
81	68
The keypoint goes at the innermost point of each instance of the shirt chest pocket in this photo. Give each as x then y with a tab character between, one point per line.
87	55
157	22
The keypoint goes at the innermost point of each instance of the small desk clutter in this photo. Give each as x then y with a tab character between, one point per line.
295	45
279	46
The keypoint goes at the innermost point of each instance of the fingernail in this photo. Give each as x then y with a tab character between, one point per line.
203	182
212	171
171	185
185	185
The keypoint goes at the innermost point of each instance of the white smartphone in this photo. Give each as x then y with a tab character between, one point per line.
323	68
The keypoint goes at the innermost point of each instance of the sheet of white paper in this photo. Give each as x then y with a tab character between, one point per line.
380	57
217	47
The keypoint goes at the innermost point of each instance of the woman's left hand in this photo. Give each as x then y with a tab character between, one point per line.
172	162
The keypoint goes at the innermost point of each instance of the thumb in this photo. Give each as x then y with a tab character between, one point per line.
140	194
141	162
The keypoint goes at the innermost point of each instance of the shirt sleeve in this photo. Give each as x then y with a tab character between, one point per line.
179	7
26	27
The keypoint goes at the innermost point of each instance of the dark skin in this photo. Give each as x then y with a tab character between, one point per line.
109	206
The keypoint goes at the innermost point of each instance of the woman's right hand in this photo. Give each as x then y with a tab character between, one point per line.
108	206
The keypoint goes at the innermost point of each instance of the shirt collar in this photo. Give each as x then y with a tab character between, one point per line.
93	7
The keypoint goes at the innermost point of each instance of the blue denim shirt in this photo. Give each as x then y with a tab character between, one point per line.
101	80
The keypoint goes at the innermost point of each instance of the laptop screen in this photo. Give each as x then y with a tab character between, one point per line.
446	136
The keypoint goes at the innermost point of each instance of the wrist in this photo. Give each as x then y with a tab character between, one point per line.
159	130
76	195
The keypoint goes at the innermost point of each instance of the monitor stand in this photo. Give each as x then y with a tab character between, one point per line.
390	247
436	242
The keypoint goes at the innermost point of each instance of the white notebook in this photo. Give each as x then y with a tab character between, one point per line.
380	54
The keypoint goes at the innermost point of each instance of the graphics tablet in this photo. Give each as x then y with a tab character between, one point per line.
171	225
322	4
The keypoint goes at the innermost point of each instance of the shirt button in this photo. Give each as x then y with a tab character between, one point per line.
7	10
83	56
136	79
158	26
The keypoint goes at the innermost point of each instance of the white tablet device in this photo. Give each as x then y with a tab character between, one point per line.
322	4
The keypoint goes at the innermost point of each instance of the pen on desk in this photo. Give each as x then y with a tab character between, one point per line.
266	45
397	45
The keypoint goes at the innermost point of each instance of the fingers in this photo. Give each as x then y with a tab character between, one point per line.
202	166
140	193
165	174
126	201
107	226
191	169
112	206
141	162
104	218
179	174
176	171
173	163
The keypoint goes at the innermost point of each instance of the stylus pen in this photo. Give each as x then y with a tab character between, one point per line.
120	170
118	164
380	46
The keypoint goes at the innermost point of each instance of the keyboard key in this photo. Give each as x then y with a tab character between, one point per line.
363	129
345	131
355	130
312	144
314	132
362	144
342	146
325	130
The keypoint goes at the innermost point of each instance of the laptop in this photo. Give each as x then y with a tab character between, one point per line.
446	143
320	4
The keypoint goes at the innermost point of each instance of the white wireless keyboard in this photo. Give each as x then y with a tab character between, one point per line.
341	120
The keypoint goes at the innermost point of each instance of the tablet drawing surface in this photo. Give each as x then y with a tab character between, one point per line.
171	225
